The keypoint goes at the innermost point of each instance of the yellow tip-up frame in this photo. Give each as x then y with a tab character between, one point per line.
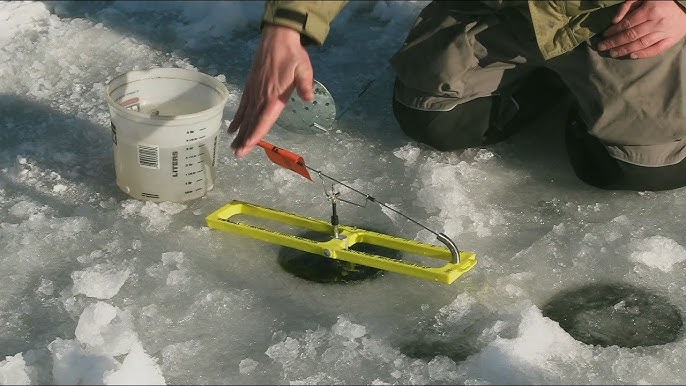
338	248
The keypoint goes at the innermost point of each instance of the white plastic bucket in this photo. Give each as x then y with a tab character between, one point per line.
165	123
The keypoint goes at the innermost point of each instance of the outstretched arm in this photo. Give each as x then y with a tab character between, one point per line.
645	28
281	65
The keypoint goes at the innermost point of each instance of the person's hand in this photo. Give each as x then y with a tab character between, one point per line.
281	65
644	28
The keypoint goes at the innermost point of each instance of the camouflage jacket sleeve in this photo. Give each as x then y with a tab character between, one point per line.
311	18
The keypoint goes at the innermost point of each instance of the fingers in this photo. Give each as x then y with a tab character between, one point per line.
304	82
628	22
624	9
625	37
238	117
644	29
246	140
631	32
654	49
632	46
281	64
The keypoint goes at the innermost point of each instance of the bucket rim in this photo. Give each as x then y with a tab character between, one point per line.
154	73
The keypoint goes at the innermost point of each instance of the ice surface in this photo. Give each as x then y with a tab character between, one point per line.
99	288
21	16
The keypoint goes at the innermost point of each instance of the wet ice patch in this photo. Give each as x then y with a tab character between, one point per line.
658	252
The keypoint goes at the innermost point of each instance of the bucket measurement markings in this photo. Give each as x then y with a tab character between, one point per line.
193	157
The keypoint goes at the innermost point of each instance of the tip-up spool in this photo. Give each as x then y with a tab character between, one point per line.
339	248
303	117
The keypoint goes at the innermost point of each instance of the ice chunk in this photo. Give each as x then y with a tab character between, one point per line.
442	368
59	188
178	277
285	351
159	215
455	311
101	281
13	371
408	153
46	287
483	155
171	207
247	366
347	329
104	328
172	258
442	190
658	252
138	368
91	322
